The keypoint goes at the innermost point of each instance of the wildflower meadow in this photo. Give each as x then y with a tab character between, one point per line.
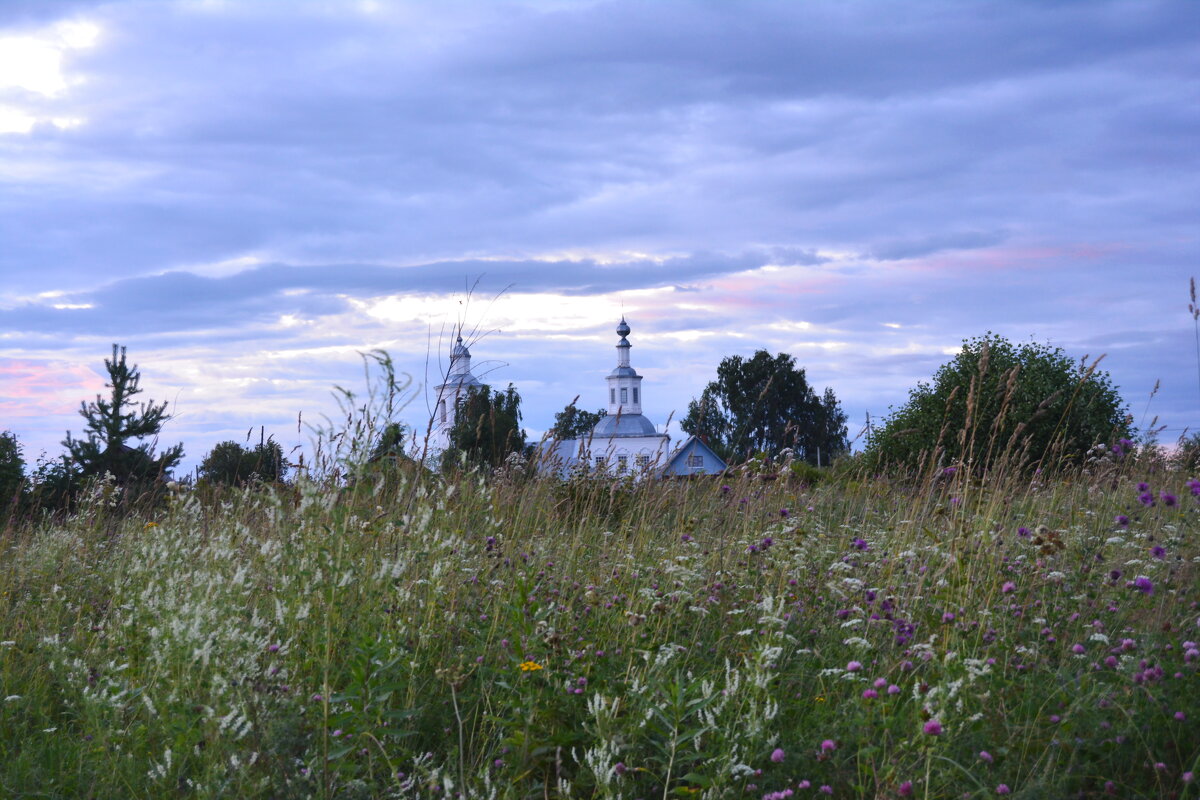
408	634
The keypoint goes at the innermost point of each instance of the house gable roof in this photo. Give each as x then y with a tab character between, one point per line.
690	446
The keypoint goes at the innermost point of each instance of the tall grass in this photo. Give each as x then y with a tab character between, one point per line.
415	635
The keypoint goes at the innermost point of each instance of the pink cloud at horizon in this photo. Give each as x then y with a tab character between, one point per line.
38	388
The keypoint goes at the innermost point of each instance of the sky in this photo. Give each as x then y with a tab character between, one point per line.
251	195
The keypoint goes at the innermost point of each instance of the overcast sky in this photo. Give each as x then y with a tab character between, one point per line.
250	194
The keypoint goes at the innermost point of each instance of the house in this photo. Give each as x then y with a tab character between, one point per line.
693	457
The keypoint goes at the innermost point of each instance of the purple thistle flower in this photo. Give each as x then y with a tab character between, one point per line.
1143	486
948	616
1169	500
1008	588
1143	584
1158	552
777	755
1023	533
826	789
1078	649
1146	499
860	544
1115	575
1122	520
985	756
870	694
893	689
933	727
620	768
905	789
1003	789
828	745
853	666
783	512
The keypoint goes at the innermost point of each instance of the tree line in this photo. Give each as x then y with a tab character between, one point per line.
1024	404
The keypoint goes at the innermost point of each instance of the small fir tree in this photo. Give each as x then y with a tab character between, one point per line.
116	427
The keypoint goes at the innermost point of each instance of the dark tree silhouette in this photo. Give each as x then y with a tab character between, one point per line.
764	404
116	427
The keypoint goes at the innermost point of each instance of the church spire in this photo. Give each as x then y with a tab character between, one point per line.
623	345
624	384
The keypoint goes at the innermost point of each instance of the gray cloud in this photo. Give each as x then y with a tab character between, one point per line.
1024	167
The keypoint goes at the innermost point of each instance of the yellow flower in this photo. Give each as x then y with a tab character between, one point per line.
150	525
530	666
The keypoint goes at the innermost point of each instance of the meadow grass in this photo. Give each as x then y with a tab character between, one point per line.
415	635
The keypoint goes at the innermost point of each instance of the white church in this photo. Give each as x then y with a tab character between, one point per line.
624	442
446	396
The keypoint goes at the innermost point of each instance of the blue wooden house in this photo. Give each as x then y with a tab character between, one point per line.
693	457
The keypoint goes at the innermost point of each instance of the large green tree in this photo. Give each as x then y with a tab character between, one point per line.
1026	403
120	434
487	426
764	404
575	423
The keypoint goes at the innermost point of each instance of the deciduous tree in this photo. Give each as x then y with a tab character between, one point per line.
1027	403
12	471
487	426
575	423
765	404
231	464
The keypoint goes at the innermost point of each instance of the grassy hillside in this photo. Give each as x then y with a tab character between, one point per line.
511	638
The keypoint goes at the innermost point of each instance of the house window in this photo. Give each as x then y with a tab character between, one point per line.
622	463
635	396
612	396
624	396
642	461
601	464
695	461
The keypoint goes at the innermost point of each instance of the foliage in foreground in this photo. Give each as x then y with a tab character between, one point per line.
514	638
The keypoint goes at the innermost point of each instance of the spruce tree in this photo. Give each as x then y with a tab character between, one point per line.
116	426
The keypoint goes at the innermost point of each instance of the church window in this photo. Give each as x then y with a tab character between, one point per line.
442	407
600	463
624	395
642	461
612	396
635	395
622	463
695	461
